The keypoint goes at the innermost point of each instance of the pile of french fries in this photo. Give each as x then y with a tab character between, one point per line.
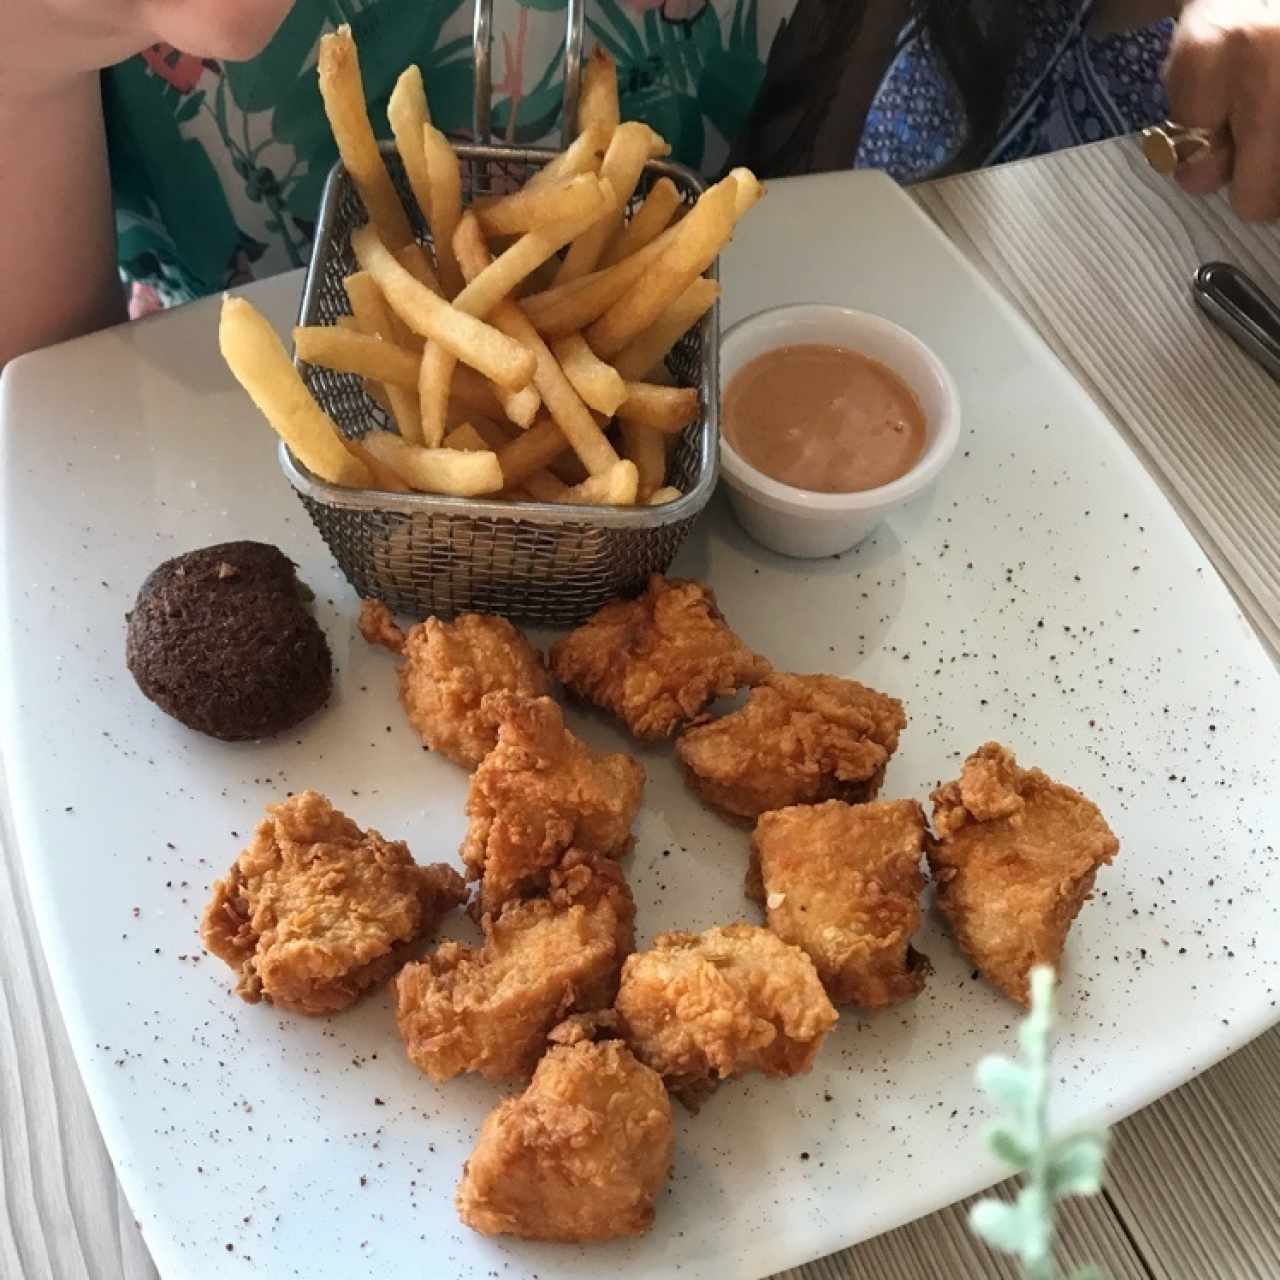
527	358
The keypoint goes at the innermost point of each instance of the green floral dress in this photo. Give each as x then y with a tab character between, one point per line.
217	167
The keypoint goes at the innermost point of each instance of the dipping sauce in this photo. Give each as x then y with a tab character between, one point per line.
823	418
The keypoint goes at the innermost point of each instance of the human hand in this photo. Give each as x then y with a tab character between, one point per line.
50	42
1223	75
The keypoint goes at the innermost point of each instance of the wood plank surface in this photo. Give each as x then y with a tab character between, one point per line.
1098	254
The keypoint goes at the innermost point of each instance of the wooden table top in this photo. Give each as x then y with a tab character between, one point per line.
1099	254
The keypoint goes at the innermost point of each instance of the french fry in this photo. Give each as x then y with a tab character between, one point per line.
696	241
659	497
498	357
349	323
566	200
377	320
384	477
342	90
435	374
598	96
465	436
564	309
640	357
633	144
583	155
499	279
561	400
407	112
747	191
531	451
445	176
567	308
378	394
542	486
648	222
457	472
413	258
644	447
261	365
665	409
616	487
372	313
494	434
356	352
599	384
475	393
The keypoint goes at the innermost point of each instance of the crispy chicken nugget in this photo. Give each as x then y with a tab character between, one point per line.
539	792
658	660
315	911
448	668
842	882
490	1010
798	740
1015	856
581	1155
698	1008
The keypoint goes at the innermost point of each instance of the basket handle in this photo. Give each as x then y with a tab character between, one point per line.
482	40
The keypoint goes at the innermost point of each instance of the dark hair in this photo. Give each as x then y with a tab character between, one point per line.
828	60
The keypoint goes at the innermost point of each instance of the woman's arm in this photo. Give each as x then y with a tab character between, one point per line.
57	234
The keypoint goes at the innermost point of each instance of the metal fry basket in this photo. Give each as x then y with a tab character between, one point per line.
544	563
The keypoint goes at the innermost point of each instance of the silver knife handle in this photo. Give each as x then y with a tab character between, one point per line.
1234	302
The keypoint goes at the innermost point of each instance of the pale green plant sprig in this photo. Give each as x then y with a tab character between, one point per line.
1055	1167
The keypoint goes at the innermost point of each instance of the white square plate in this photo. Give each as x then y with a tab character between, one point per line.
1045	595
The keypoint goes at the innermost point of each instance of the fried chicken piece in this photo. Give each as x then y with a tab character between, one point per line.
581	1155
658	660
539	792
842	882
490	1010
315	911
1015	858
798	740
448	668
700	1007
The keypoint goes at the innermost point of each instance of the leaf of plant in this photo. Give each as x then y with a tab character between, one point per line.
999	1224
1075	1164
190	108
1008	1147
1005	1081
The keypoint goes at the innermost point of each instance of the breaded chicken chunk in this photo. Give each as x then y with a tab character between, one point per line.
539	792
700	1007
658	660
448	668
1015	855
315	911
581	1155
490	1010
798	740
842	882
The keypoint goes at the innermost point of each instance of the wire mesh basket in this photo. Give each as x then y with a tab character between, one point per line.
544	563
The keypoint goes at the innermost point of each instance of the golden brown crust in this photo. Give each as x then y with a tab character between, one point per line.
843	883
490	1010
798	740
581	1155
658	660
1015	857
315	911
698	1008
448	669
540	791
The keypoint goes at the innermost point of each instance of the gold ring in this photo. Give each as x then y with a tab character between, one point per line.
1168	145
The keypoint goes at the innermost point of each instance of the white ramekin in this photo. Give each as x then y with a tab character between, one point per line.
800	522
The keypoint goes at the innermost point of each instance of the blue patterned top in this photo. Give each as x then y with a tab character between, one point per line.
1068	88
